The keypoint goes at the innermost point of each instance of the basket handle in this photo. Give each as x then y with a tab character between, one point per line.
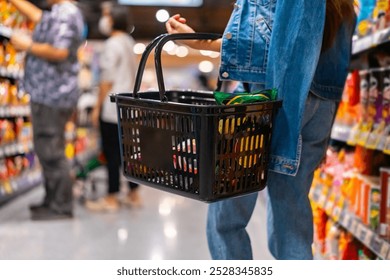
159	43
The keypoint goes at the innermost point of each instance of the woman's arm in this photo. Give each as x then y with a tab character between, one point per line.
31	11
178	24
46	51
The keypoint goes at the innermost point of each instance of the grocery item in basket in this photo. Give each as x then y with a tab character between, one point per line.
182	159
223	98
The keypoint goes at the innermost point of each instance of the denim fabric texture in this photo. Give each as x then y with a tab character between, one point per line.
245	42
275	44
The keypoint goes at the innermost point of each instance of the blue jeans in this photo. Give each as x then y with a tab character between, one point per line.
289	214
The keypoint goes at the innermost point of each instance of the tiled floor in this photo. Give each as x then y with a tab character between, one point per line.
166	227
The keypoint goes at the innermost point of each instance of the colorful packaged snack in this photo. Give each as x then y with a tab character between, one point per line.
375	99
223	98
384	212
364	88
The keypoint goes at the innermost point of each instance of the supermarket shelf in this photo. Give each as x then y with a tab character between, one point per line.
337	209
11	73
15	148
340	132
10	189
14	111
343	133
5	32
371	41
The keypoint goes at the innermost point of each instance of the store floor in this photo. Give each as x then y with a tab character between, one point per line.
166	227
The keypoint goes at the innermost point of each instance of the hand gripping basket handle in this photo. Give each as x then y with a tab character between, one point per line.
159	43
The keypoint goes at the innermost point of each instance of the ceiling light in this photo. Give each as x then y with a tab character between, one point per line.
206	66
162	15
139	48
169	46
182	51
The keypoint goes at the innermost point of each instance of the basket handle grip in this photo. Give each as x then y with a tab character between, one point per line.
159	43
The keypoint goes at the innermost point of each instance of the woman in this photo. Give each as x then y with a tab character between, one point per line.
118	69
301	48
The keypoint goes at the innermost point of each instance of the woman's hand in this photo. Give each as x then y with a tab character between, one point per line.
21	41
178	24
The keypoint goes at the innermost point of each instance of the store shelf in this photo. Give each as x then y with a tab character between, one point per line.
10	189
337	209
14	111
371	41
15	148
5	31
11	73
340	132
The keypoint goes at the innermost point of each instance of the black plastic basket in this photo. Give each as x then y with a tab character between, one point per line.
184	143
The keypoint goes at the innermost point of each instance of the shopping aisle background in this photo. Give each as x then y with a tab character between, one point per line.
166	227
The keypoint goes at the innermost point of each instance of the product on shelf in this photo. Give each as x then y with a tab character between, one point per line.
373	16
382	15
384	216
365	20
18	168
369	202
348	110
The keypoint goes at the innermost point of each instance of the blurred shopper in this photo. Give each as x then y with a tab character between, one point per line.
51	71
118	70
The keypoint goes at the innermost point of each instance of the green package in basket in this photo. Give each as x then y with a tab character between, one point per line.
223	98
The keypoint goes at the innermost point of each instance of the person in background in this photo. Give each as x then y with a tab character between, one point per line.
51	70
118	69
302	48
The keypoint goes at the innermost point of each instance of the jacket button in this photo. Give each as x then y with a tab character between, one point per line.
229	35
236	6
225	74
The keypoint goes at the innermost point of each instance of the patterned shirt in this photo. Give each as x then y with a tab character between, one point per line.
55	83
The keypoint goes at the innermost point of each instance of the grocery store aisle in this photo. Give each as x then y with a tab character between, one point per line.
166	227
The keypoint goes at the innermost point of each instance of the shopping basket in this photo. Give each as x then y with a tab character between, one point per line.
182	142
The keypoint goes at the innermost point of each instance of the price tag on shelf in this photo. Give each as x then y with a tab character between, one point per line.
2	112
385	250
342	218
329	205
376	245
362	44
341	132
354	226
367	236
14	148
360	232
347	221
322	200
14	185
7	150
338	209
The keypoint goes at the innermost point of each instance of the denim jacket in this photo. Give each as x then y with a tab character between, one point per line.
275	44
